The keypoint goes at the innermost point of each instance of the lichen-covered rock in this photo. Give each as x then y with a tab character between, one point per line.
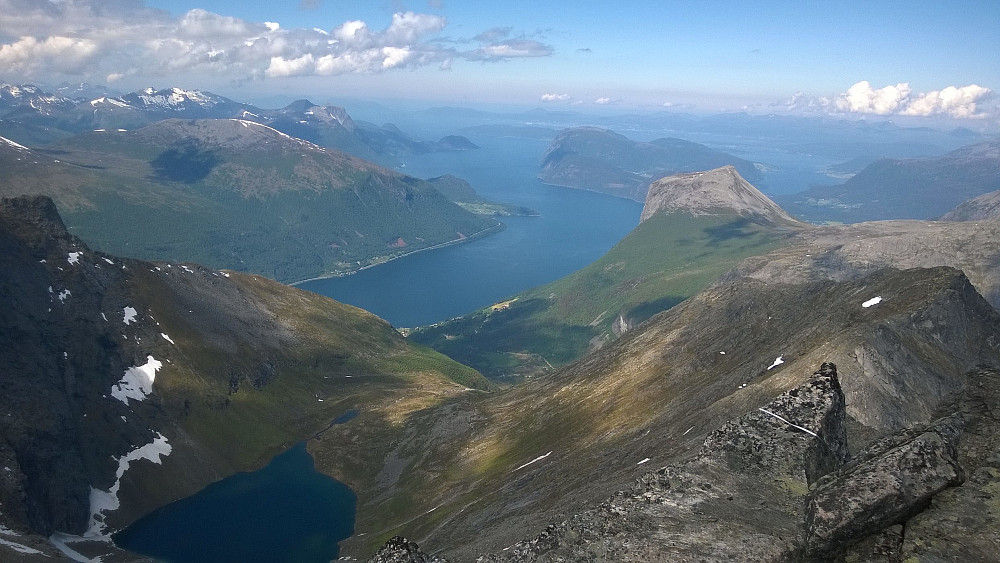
401	550
893	481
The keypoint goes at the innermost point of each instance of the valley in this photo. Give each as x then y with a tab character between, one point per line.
587	345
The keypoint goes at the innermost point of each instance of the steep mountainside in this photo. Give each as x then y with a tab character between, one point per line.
983	208
694	228
600	160
130	384
915	188
510	464
235	194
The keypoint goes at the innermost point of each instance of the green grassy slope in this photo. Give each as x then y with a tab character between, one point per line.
665	260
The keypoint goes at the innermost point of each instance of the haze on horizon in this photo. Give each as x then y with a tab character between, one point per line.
914	59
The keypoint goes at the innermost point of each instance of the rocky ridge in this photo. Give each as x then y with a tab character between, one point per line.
779	484
983	208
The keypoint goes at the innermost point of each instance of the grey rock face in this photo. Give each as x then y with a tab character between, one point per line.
893	480
401	550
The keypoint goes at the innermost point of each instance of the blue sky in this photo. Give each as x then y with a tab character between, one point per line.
917	57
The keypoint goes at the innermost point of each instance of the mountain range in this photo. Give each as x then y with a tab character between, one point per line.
743	439
233	193
910	188
33	117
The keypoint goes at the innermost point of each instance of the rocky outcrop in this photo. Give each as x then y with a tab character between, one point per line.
401	550
713	192
892	481
777	484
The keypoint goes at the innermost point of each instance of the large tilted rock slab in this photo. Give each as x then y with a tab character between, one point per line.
891	482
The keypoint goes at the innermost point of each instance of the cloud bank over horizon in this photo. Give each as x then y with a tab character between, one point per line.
109	40
960	102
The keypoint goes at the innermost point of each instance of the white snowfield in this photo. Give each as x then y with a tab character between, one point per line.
130	314
777	362
137	383
107	501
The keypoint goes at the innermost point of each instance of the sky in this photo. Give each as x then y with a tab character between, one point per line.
914	58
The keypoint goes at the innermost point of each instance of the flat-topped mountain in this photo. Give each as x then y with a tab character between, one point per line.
236	194
130	384
597	159
910	188
713	192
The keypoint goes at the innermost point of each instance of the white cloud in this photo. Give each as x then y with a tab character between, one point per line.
952	101
63	54
555	97
603	101
119	38
862	98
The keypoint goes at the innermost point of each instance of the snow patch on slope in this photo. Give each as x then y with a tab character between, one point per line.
137	383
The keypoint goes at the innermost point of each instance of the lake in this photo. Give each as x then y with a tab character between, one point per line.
575	228
285	511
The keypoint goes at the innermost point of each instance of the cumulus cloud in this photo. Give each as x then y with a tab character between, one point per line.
29	54
862	98
953	101
118	38
555	97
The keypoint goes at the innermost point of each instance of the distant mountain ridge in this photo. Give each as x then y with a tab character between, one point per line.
236	194
983	208
32	116
913	188
601	160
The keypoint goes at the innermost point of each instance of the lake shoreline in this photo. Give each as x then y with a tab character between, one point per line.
498	228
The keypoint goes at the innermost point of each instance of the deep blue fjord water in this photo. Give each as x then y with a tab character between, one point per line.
283	512
575	228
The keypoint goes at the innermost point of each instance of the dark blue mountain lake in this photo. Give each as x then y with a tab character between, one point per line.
285	511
